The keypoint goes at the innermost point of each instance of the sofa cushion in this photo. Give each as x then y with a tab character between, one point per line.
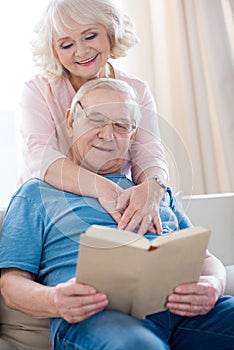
24	332
2	212
4	345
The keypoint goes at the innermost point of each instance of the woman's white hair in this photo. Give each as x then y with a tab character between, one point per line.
67	13
109	84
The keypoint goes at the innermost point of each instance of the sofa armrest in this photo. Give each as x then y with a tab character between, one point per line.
215	211
229	289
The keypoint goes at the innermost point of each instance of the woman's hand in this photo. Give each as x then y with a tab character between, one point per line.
194	299
76	302
139	206
108	197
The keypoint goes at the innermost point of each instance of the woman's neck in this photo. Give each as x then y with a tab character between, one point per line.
77	82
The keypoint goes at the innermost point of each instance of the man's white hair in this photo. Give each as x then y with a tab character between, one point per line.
108	84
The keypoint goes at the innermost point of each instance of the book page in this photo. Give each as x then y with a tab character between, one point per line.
169	237
100	236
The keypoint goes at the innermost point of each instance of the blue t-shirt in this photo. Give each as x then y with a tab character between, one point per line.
42	227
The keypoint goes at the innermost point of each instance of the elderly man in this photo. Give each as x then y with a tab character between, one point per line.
40	245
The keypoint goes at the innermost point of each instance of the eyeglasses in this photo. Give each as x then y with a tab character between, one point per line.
98	120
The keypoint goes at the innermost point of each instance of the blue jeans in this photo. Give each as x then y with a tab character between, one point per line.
112	330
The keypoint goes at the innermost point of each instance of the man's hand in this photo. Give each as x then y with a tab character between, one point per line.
76	302
140	208
194	299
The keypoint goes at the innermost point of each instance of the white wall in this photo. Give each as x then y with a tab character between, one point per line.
8	156
17	20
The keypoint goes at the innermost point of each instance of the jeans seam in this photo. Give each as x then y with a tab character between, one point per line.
205	331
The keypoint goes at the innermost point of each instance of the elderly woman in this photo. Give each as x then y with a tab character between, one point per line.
74	41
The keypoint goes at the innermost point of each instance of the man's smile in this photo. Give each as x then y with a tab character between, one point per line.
103	149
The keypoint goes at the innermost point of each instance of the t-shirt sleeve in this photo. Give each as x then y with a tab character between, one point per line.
21	241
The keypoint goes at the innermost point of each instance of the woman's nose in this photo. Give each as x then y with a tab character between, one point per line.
81	50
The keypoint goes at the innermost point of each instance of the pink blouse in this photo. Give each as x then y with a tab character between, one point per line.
43	132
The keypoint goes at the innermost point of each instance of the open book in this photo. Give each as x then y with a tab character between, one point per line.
137	274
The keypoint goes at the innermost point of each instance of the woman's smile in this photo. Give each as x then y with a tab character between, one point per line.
87	61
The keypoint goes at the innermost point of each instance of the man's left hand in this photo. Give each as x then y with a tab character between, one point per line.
194	299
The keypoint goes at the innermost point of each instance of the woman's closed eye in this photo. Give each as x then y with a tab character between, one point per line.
91	36
66	45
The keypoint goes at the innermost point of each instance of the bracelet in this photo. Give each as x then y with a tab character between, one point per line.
158	180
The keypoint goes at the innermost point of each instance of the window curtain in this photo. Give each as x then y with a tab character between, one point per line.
186	54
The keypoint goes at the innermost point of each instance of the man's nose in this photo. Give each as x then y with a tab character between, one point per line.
107	132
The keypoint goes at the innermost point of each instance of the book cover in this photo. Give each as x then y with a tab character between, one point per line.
136	274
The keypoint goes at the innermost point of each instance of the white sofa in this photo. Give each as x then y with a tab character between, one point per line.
20	332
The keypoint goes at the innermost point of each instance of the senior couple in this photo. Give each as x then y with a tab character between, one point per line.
40	245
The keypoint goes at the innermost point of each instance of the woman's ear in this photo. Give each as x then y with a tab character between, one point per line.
69	122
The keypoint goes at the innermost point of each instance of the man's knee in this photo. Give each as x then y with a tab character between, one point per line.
117	331
140	339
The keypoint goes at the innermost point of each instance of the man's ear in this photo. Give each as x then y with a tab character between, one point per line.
69	122
134	135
